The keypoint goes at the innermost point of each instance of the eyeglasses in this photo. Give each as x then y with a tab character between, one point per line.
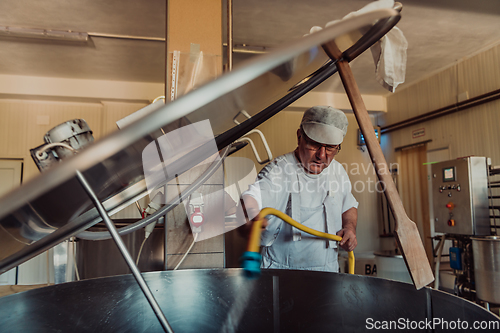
315	146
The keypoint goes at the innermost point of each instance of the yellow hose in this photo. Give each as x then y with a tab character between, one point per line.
254	242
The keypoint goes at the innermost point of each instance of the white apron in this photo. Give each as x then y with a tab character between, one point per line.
293	249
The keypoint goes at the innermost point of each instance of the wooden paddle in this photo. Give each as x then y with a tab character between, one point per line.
406	230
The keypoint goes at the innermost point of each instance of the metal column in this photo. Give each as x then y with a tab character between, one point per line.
123	249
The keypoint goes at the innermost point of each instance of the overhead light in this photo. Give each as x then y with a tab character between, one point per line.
63	35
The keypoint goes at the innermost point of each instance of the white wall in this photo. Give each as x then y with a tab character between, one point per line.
473	131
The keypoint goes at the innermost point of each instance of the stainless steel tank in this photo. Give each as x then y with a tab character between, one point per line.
226	301
486	252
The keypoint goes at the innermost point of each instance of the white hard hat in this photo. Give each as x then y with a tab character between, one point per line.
324	124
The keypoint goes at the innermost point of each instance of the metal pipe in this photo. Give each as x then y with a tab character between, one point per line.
164	220
494	170
48	34
412	146
138	205
469	103
167	59
123	249
229	35
465	289
115	36
438	261
244	48
491	199
249	51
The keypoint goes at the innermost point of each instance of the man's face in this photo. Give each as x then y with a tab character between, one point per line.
314	156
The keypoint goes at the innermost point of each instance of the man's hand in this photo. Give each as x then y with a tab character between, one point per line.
348	231
349	241
249	212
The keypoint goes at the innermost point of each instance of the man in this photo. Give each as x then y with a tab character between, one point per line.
312	188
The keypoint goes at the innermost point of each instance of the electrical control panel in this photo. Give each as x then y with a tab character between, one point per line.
460	196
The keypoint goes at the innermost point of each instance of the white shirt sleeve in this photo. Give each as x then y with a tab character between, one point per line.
268	187
269	190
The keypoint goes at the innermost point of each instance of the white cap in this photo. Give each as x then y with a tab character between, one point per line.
324	124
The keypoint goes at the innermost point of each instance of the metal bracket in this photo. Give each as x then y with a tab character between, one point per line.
262	137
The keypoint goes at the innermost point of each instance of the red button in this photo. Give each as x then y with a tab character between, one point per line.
197	218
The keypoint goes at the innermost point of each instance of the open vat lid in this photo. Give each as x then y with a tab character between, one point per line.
53	206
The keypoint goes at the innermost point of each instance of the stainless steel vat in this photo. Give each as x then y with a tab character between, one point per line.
97	259
486	252
226	301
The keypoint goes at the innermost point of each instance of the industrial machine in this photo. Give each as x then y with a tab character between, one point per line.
61	142
460	196
109	175
465	212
